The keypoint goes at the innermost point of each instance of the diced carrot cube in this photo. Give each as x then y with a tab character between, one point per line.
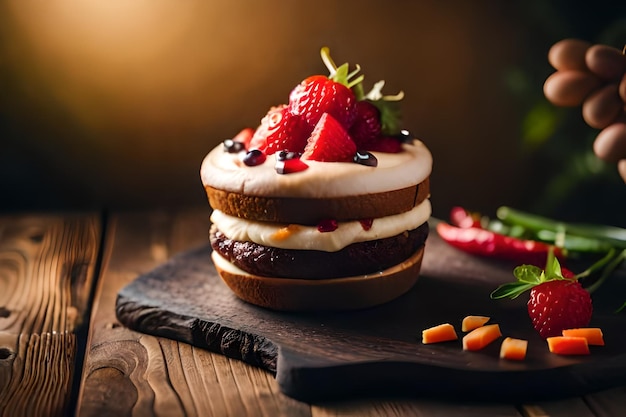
471	322
441	333
592	334
480	337
513	349
568	345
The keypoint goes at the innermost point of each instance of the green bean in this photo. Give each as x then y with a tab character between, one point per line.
611	235
574	243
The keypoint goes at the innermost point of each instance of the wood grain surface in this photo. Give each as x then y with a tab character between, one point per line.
127	373
47	268
377	351
135	374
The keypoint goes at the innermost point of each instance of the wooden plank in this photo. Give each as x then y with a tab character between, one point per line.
128	373
418	408
374	351
608	403
561	408
47	269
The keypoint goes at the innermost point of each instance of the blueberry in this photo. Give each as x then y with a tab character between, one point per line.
254	157
365	158
404	136
233	146
287	155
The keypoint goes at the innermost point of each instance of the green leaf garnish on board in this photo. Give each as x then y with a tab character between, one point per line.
529	276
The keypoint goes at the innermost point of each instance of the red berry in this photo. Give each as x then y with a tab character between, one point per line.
289	166
366	224
329	142
269	122
366	130
280	130
366	126
317	95
557	305
327	225
385	144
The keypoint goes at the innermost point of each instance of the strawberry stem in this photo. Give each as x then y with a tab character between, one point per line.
387	104
328	61
340	74
607	265
376	93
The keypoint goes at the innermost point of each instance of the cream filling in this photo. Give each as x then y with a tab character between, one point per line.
226	171
295	236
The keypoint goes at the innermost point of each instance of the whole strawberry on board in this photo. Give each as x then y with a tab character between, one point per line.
557	299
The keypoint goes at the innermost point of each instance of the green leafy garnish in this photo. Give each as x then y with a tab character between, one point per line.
529	276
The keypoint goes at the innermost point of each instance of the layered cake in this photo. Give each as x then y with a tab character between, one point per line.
325	205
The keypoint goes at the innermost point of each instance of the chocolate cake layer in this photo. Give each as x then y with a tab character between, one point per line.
312	211
356	259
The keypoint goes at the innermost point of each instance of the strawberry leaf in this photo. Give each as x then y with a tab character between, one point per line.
390	117
529	274
390	114
553	268
510	290
527	277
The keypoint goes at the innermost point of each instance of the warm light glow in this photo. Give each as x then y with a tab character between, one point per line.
126	57
125	97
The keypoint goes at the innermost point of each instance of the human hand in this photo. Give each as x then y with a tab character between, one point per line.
594	77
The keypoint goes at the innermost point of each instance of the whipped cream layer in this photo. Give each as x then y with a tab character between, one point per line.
226	171
295	236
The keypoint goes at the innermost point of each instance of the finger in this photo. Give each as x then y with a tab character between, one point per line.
610	144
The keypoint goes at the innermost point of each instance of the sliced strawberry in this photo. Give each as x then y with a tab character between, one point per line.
280	130
269	122
329	142
290	166
244	136
319	94
289	162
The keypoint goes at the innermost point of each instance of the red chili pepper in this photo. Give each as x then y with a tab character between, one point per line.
462	218
484	242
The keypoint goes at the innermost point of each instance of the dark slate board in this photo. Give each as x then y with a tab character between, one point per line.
378	351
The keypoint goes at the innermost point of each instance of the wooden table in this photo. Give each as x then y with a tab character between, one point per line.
62	351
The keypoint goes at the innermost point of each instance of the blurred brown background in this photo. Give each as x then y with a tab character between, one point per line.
114	103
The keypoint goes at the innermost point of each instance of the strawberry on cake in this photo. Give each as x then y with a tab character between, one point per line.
325	205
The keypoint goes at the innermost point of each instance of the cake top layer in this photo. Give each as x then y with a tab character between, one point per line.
226	171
